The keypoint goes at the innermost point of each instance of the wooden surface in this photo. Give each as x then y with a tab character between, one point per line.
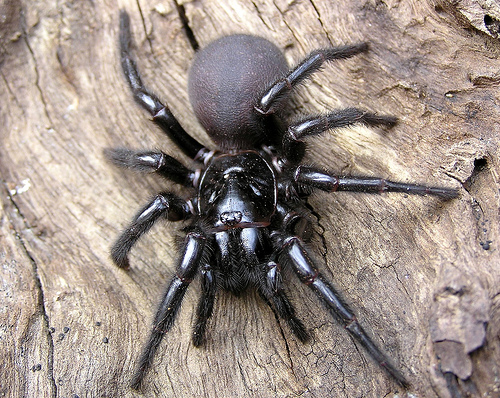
422	275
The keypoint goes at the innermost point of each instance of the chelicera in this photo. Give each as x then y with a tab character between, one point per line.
246	213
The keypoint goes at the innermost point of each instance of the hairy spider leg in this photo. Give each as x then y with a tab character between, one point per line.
152	162
161	114
327	182
273	294
166	205
205	304
315	125
295	254
192	255
270	100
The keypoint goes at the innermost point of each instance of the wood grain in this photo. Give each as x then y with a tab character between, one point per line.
72	324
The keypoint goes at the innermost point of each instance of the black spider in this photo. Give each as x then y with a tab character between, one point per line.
247	212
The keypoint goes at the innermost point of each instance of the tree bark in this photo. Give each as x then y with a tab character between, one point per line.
422	274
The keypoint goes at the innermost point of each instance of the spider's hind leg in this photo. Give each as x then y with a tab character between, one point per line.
272	97
316	125
161	113
152	162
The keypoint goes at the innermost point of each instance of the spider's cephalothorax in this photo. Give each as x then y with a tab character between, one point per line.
247	216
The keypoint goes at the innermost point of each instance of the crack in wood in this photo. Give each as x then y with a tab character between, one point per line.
37	72
15	218
186	25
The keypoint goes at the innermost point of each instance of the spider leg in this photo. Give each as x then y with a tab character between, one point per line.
316	178
315	125
192	255
296	255
205	305
165	205
152	162
272	292
161	114
270	100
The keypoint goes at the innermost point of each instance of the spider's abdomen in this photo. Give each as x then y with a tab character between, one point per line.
225	82
237	191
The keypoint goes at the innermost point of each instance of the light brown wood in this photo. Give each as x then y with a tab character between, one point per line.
423	275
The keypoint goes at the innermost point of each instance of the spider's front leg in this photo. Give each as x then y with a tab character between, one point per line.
327	182
271	291
293	253
165	205
205	304
193	254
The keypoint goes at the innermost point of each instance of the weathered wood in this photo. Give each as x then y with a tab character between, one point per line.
72	324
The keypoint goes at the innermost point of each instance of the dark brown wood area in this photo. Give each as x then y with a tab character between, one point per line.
423	275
